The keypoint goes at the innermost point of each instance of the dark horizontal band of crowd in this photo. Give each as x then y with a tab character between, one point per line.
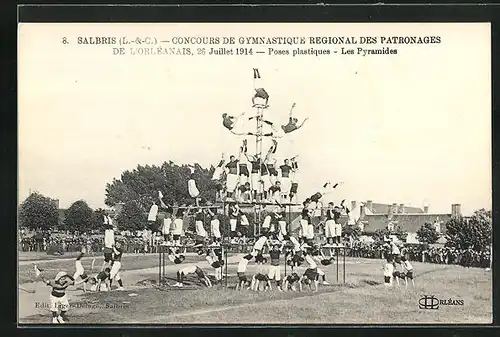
424	253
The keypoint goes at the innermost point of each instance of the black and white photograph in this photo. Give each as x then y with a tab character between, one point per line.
254	173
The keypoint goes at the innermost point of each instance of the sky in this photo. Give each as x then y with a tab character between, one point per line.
412	128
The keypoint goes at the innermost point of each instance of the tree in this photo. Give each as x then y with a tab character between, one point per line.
427	233
131	217
351	231
400	233
474	232
143	183
79	217
379	235
98	218
38	211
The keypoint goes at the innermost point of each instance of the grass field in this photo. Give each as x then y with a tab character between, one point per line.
31	256
364	299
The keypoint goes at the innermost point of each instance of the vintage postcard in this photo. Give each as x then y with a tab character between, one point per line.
254	173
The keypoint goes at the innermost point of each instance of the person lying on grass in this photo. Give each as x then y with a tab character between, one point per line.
100	282
175	256
192	270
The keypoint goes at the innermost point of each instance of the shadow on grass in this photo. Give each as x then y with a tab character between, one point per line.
191	281
370	282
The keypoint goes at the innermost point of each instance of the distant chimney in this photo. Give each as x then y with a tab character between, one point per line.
394	208
353	205
362	212
401	208
369	204
456	210
426	209
56	202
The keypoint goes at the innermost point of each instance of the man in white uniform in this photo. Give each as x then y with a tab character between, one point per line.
286	183
215	226
275	268
192	188
231	177
116	266
244	174
259	245
241	272
178	225
109	241
167	224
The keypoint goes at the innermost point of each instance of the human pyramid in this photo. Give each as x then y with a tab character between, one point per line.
251	179
262	279
275	238
245	179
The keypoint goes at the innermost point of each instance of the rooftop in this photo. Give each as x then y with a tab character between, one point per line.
377	208
410	222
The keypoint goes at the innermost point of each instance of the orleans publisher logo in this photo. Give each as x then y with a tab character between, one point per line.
428	302
432	302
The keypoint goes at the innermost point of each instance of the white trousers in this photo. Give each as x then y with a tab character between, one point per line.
193	190
200	230
304	226
57	303
215	228
231	182
286	184
274	273
79	269
232	223
115	271
330	228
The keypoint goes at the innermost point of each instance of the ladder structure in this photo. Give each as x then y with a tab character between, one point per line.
258	205
258	153
258	134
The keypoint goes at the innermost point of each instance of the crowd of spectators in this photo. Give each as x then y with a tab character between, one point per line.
61	243
148	242
424	253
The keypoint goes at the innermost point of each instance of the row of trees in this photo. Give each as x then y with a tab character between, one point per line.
41	212
475	232
141	185
136	190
